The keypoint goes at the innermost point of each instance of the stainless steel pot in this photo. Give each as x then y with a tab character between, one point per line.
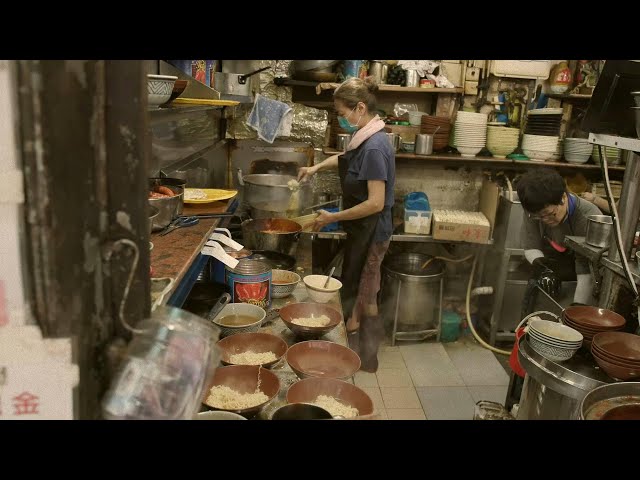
275	234
599	229
271	193
234	83
617	400
379	71
153	213
168	207
413	79
170	182
424	144
395	140
342	142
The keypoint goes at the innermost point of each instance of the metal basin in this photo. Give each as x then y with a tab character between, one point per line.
271	193
169	207
275	234
153	213
615	401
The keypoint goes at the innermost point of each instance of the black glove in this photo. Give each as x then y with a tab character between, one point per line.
547	279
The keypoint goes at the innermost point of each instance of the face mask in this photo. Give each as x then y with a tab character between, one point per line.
345	125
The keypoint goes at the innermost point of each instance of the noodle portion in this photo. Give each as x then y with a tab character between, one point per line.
321	321
225	398
252	358
335	408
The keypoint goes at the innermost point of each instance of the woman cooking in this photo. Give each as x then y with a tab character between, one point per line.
367	176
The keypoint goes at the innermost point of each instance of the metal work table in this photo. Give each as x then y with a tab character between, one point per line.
399	237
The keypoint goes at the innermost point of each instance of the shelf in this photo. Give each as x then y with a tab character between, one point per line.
616	267
181	108
571	96
578	245
400	237
381	88
486	161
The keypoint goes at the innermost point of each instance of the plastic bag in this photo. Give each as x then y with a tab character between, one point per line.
400	109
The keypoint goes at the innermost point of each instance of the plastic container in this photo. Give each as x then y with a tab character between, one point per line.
450	330
417	221
415	118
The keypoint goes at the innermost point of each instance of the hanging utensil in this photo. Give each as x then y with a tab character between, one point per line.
217	308
242	79
326	284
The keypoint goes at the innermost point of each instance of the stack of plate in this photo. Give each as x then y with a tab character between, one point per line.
618	354
470	133
544	121
429	124
554	341
577	150
541	148
612	153
590	321
502	141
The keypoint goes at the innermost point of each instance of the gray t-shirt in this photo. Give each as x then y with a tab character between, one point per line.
534	231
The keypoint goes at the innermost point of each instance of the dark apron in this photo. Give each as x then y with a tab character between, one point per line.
359	236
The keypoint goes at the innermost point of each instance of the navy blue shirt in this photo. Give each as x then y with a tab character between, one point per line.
376	160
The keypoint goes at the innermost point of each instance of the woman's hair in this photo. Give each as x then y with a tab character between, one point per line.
539	188
355	90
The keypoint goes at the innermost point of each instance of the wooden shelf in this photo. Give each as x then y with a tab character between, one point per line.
398	88
572	96
487	161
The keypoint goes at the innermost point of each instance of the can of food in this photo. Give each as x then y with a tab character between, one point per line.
250	282
218	268
427	83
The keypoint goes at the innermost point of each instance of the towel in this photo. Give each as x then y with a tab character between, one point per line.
374	126
270	118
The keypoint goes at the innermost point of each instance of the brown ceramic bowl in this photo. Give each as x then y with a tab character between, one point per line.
244	379
307	390
178	88
616	371
253	341
318	358
594	317
595	351
619	344
305	310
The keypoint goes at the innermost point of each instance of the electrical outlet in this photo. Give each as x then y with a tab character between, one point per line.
470	88
472	74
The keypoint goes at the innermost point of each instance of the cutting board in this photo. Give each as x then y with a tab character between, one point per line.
205	101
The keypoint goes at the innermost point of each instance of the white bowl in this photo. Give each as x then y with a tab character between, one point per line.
555	354
317	292
556	330
469	151
240	309
575	158
159	89
217	415
538	155
289	282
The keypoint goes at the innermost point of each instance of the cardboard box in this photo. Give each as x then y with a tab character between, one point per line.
467	231
407	132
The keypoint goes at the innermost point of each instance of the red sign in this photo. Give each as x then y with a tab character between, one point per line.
25	404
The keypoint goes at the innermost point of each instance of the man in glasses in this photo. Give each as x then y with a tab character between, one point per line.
551	213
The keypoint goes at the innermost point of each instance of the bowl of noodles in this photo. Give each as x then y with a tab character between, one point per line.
339	398
241	389
310	320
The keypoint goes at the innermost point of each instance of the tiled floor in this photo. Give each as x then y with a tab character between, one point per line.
435	381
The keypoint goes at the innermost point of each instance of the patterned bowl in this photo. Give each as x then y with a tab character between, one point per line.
550	352
283	283
159	89
244	309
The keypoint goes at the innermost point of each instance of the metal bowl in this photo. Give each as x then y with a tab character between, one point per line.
244	379
601	400
301	411
169	207
252	341
153	213
305	310
318	358
169	182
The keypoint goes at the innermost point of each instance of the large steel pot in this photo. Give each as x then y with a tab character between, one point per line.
234	83
275	234
553	391
170	182
615	401
271	193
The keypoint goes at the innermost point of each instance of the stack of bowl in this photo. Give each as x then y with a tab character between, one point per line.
590	321
612	153
544	121
429	124
540	148
577	150
554	341
470	133
501	141
618	354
